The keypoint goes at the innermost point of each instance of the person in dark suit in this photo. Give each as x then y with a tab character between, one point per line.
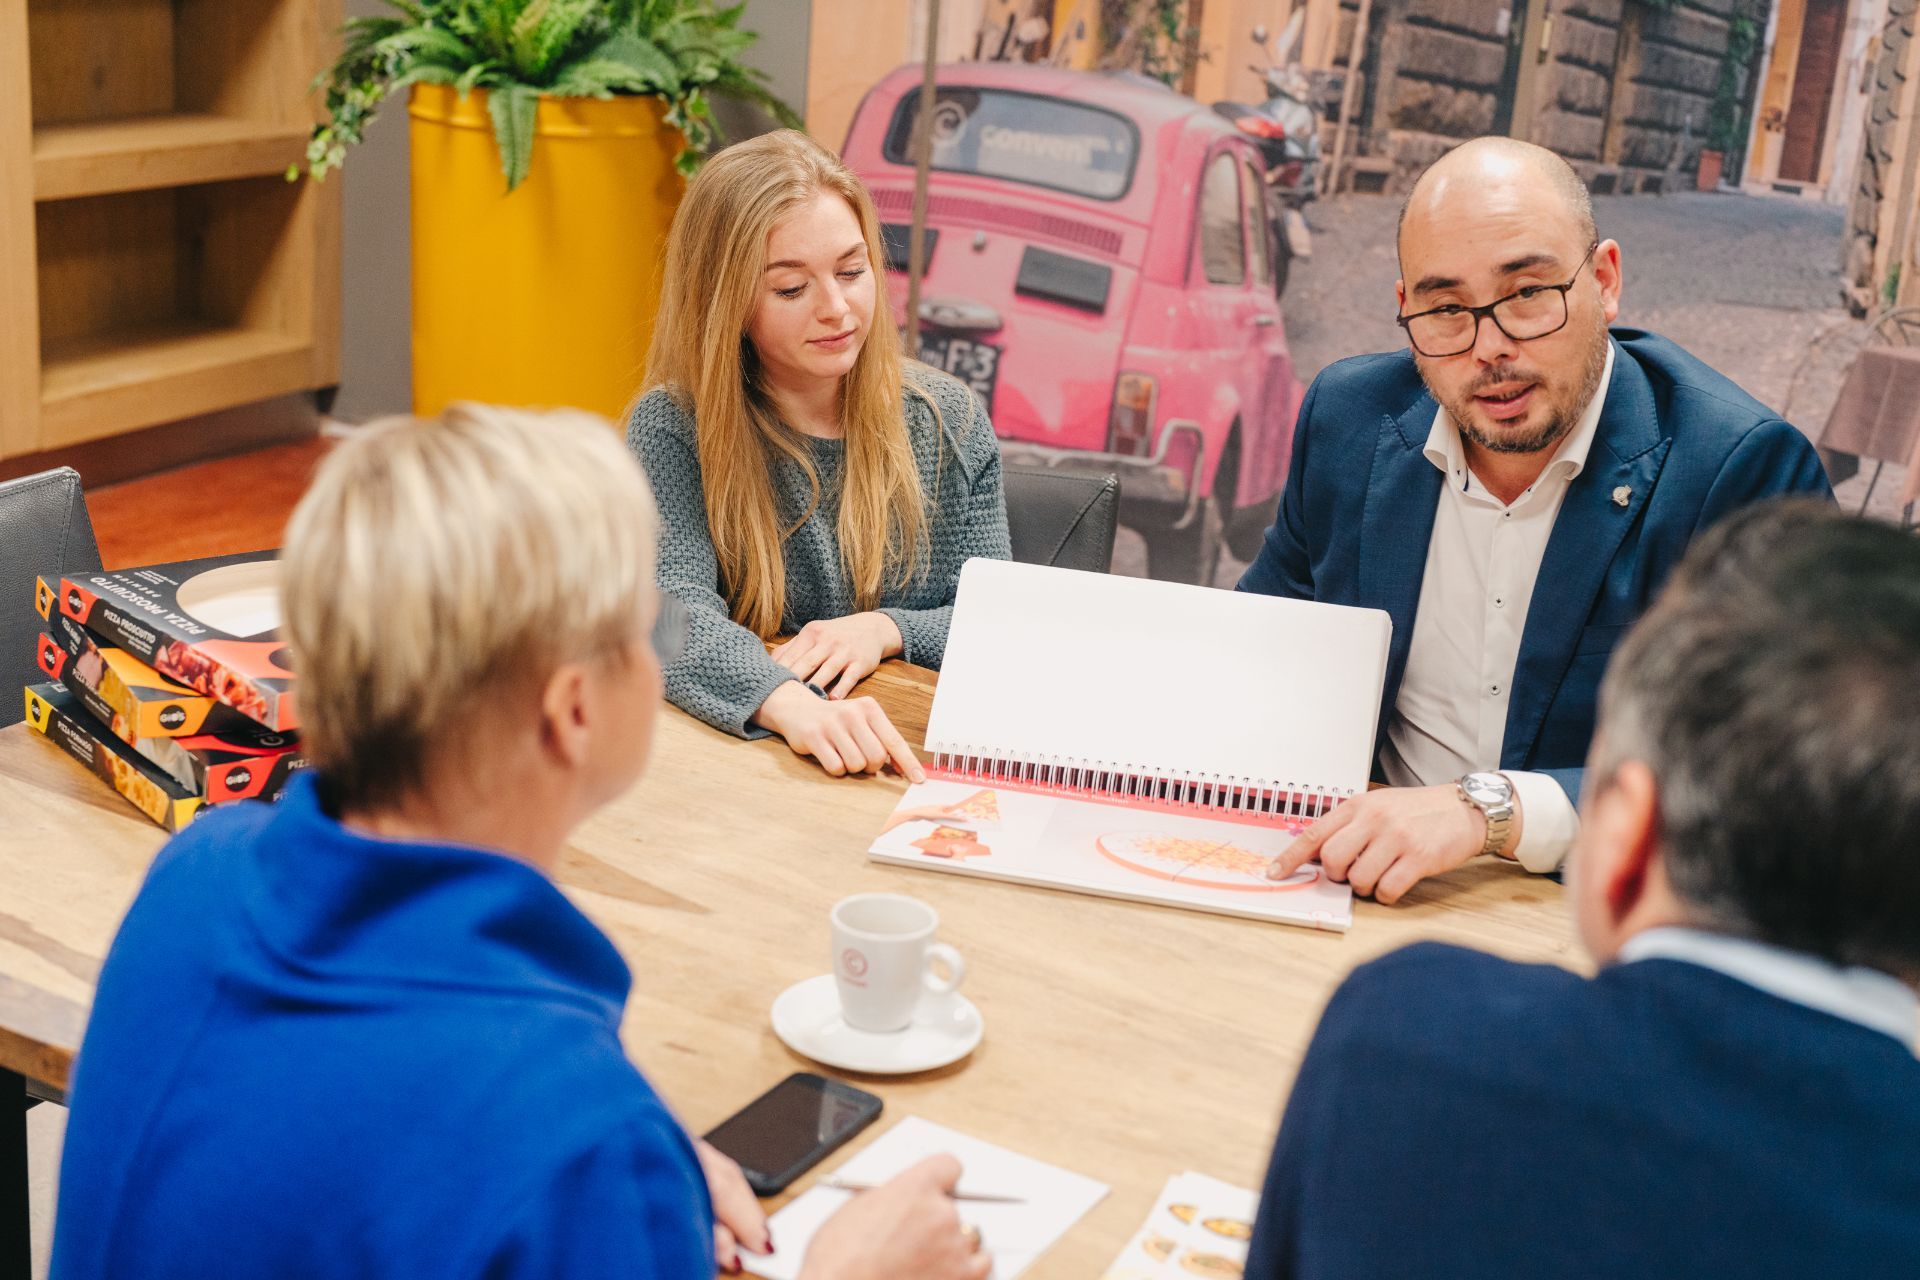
1513	491
1736	1092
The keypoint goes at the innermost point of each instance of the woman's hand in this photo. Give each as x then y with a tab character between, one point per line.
839	653
845	737
738	1221
906	1228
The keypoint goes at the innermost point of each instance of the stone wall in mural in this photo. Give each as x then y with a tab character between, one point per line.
1619	86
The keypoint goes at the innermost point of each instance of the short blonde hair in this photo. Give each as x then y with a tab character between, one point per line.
435	561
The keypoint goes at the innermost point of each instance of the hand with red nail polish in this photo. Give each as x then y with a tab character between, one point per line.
738	1221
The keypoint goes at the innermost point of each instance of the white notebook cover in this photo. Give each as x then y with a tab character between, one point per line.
1161	676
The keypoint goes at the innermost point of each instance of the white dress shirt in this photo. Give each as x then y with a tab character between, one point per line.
1483	557
1873	999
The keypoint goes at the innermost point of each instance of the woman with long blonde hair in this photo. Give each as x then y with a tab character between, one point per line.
811	481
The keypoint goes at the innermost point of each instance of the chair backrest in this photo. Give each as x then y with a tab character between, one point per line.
43	529
1062	519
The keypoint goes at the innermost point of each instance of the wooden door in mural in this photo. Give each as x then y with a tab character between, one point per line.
1813	76
1511	22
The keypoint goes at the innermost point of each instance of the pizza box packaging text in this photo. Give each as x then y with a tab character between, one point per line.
244	761
145	703
148	613
53	710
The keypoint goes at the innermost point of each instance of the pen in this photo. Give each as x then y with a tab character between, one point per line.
842	1184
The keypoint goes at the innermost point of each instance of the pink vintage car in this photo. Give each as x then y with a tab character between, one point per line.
1101	273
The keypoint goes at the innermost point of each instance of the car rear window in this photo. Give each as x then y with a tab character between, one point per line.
1022	137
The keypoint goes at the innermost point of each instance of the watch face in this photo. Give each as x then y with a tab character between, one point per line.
1487	789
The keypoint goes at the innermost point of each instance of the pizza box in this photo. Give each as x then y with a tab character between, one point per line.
213	625
240	762
53	710
145	704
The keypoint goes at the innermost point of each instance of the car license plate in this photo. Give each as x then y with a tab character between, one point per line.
975	363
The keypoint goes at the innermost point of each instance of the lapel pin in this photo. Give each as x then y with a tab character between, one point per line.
1622	495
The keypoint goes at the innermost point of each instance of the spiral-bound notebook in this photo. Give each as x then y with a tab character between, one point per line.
1143	740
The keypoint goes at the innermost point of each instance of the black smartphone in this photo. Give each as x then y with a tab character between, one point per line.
792	1127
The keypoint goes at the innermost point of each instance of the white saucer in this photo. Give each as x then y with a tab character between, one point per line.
806	1017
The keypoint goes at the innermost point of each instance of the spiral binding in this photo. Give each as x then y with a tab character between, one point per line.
1107	780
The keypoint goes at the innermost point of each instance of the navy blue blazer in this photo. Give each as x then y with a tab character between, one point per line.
1357	514
1459	1115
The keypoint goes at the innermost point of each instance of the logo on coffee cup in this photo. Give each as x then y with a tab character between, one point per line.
854	965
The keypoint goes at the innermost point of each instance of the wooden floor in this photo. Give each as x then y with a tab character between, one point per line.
213	508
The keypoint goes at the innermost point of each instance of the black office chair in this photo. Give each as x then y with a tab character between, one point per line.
1060	519
43	529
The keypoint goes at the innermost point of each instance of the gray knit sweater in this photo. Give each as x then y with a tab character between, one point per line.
725	673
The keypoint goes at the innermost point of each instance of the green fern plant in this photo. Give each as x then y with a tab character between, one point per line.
520	50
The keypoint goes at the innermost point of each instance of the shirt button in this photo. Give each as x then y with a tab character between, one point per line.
1494	690
1498	603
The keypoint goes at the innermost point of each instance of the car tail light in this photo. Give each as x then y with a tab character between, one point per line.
1261	127
1130	427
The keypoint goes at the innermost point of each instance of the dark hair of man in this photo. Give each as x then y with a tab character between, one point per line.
1774	691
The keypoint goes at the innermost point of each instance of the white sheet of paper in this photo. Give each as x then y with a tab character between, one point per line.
1199	1226
1015	1234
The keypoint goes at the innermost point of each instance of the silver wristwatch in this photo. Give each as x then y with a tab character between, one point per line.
1492	794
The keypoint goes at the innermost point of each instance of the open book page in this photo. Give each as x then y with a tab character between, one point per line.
1136	851
1049	1199
1160	677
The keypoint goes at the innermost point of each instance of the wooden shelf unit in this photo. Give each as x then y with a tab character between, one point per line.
155	263
101	157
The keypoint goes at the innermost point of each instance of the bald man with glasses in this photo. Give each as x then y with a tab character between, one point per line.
1513	490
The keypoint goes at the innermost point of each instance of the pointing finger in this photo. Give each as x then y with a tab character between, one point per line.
1307	846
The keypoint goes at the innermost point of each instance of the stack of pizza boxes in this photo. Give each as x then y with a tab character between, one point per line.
171	682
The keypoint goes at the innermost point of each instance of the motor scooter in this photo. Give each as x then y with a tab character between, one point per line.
1287	129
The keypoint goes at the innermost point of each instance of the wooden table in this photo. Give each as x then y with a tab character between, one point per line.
1124	1041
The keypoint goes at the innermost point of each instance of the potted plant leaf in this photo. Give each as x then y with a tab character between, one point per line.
550	140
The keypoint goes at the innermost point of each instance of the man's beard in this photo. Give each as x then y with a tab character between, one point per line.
1558	423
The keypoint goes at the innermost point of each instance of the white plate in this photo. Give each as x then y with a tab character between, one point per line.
806	1017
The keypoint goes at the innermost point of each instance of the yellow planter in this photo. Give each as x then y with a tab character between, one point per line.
546	296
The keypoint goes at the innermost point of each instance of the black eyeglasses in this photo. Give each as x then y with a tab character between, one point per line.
669	634
1533	312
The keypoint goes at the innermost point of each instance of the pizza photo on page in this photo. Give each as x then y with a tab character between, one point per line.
212	625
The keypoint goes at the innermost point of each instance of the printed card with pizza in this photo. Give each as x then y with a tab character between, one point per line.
1200	1226
1082	739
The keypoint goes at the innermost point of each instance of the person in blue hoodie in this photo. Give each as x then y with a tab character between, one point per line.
361	1033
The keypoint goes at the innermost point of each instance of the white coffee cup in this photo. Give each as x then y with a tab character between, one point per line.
883	954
